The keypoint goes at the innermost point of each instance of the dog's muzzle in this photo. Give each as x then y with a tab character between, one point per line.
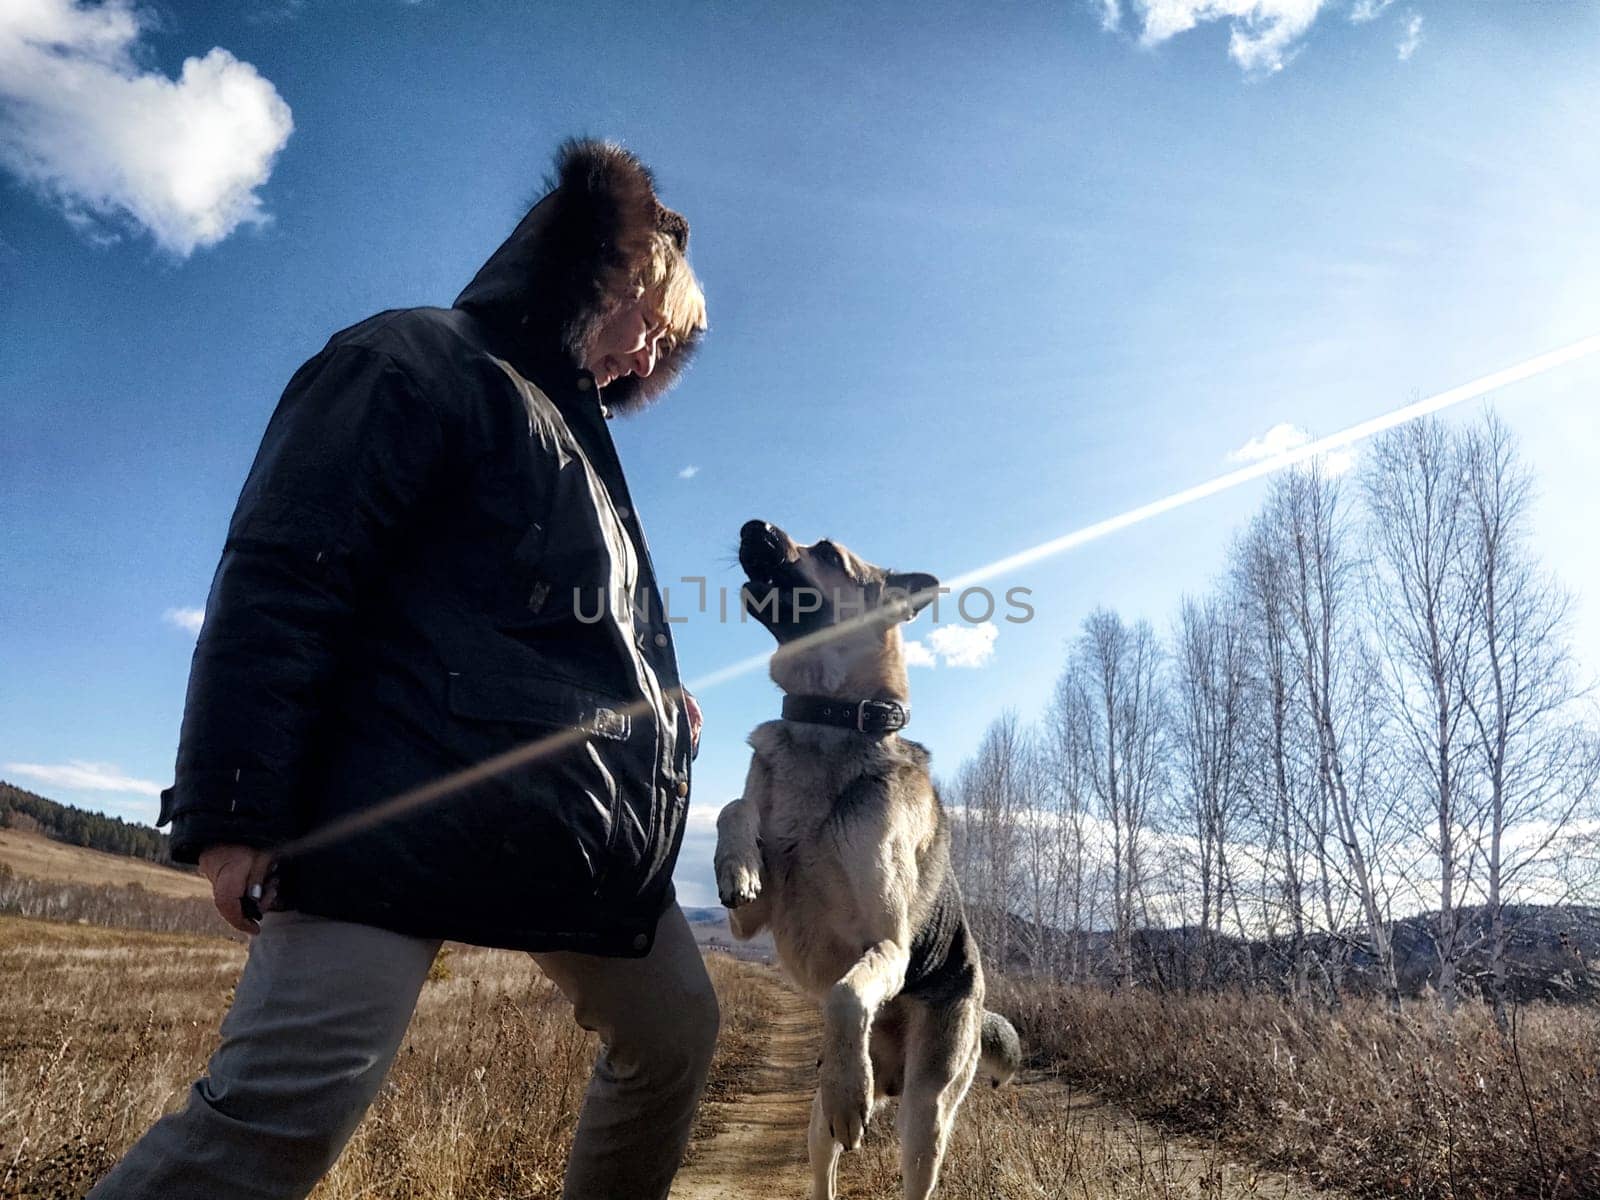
762	550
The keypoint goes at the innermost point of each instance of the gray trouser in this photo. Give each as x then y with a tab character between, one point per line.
319	1014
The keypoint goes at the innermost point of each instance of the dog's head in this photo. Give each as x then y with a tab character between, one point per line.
835	616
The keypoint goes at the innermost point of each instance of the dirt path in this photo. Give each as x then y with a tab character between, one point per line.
1041	1136
761	1150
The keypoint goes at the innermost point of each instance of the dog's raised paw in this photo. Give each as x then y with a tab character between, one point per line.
846	1099
737	884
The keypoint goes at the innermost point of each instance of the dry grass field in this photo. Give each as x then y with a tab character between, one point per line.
1132	1096
101	1031
59	882
1035	1140
104	1029
35	856
1423	1104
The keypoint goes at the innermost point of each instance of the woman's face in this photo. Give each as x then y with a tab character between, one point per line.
628	343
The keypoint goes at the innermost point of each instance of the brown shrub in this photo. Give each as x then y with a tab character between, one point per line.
1424	1104
115	906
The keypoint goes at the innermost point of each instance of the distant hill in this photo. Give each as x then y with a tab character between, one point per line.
34	856
33	813
710	927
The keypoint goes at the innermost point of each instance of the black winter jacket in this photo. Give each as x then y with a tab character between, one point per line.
409	586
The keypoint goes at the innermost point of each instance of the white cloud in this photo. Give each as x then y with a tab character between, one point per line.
964	645
1263	34
1363	11
694	874
116	145
954	646
702	818
187	619
1275	441
85	776
1284	437
688	472
1411	39
1338	462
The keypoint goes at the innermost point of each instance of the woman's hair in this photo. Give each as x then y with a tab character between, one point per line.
677	300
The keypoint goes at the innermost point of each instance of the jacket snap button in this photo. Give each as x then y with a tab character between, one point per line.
640	941
661	639
682	788
584	383
624	513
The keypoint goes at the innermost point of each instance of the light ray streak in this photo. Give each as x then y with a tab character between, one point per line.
531	752
1481	386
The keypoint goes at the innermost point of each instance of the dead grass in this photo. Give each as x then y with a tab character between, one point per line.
1040	1141
116	906
102	1031
37	857
1037	1139
1423	1105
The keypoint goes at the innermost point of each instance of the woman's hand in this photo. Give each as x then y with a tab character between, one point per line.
696	719
233	872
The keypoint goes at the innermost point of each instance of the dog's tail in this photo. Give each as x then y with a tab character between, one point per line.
1000	1056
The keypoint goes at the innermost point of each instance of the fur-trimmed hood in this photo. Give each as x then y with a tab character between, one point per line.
552	281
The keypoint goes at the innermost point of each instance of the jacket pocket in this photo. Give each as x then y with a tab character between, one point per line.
534	700
560	808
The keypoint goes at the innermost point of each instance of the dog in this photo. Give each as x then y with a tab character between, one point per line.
839	846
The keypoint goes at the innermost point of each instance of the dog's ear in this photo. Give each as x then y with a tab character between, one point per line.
916	588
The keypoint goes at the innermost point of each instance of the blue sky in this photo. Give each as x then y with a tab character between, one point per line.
978	274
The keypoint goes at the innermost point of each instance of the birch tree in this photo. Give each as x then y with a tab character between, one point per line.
1064	747
1124	742
1209	714
1426	621
1043	870
1315	552
992	801
1537	763
1274	784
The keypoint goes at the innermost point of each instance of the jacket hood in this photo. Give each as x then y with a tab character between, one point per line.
552	282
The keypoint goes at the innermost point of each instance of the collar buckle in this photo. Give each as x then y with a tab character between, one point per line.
888	716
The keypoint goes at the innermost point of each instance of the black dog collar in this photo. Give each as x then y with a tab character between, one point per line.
865	716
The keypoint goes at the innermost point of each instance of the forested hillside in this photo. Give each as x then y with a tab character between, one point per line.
22	809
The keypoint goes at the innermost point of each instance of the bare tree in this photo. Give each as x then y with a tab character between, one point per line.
992	802
1065	749
1274	786
1209	726
1425	617
1537	764
1309	754
1336	692
1124	745
1044	873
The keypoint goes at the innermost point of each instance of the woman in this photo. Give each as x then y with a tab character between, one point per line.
407	588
